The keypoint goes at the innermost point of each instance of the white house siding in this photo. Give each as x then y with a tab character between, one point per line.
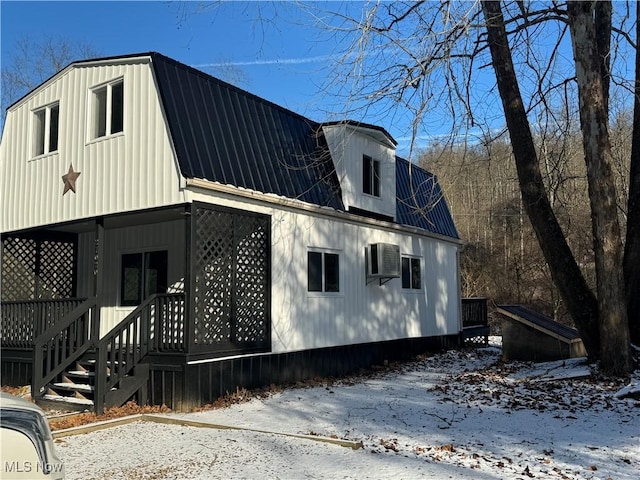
347	146
359	313
132	170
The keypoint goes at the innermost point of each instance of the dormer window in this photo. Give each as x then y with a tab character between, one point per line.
45	130
370	176
108	109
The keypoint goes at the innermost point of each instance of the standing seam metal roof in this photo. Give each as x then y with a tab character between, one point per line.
420	201
227	135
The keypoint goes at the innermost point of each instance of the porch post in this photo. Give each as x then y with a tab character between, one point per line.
189	284
98	273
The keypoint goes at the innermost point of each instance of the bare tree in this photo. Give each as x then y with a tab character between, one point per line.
428	58
30	63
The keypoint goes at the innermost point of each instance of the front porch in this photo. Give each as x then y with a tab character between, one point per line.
214	301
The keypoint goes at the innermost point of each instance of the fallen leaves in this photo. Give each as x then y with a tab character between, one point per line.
129	408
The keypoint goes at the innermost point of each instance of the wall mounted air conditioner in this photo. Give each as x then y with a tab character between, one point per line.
383	261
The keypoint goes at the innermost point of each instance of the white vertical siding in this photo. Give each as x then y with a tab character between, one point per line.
347	146
132	170
359	313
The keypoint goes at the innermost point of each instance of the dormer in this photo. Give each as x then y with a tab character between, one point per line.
364	158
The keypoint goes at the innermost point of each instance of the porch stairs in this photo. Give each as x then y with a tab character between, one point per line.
75	389
76	369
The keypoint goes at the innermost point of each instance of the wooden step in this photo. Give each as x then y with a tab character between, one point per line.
66	404
73	387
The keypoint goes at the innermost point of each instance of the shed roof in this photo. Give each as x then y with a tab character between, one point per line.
539	321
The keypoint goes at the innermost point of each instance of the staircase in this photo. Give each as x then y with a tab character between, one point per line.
75	389
74	369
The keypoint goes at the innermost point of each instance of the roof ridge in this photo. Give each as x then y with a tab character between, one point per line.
207	76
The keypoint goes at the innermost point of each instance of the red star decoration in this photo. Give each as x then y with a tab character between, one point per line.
69	180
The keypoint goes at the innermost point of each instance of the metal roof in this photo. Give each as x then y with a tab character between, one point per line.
230	136
539	321
227	135
420	201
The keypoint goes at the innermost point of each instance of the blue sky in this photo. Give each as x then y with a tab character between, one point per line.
276	51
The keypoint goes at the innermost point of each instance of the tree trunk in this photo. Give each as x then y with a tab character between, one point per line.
615	354
632	245
579	299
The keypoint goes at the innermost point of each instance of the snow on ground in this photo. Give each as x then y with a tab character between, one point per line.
459	414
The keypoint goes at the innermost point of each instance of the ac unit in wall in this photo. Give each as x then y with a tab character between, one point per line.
383	260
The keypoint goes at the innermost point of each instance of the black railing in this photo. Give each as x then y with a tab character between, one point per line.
63	343
23	321
156	325
475	321
474	312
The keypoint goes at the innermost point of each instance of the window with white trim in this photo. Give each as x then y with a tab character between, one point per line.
370	176
323	272
142	274
46	123
411	273
108	109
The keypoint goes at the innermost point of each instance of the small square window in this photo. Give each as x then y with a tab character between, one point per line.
370	176
323	272
46	130
108	110
411	273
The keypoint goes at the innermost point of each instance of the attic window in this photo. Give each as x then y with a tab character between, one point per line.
108	109
370	176
45	133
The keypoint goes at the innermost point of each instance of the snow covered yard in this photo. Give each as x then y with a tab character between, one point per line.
459	414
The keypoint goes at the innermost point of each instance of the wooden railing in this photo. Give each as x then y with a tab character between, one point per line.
23	321
475	321
474	312
156	325
63	343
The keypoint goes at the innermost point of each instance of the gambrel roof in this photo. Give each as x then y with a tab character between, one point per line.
420	201
227	135
223	134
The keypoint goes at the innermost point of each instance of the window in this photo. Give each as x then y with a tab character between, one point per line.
370	176
142	274
108	109
323	272
46	122
411	273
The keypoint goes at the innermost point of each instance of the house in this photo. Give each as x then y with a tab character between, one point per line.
170	236
531	336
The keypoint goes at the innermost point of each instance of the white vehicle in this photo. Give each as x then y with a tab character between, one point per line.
26	444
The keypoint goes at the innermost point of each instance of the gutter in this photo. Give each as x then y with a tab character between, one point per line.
298	205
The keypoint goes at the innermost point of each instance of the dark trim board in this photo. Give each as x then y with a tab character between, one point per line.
16	367
185	387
